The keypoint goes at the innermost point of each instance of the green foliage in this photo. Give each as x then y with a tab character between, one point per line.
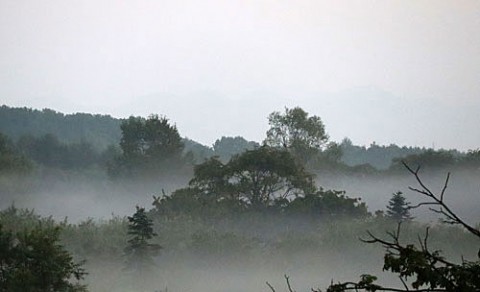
327	204
98	130
227	147
33	260
471	159
265	179
304	136
140	250
197	151
430	159
10	161
378	156
398	209
255	178
149	147
96	240
49	151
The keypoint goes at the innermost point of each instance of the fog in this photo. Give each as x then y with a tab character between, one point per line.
402	72
79	198
310	254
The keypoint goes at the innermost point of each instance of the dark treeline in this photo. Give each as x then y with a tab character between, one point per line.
243	202
100	131
83	141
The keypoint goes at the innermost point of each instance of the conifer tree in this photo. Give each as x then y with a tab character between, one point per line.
398	208
140	251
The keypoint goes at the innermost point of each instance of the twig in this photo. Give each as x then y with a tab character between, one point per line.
270	286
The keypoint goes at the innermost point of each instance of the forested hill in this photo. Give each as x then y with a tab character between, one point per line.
99	130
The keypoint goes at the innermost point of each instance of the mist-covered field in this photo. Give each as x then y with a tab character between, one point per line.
239	252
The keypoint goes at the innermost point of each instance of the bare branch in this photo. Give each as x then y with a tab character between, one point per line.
270	286
452	218
288	283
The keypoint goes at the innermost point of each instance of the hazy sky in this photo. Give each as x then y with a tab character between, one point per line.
406	72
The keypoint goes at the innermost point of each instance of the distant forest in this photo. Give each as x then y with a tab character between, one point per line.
240	201
77	141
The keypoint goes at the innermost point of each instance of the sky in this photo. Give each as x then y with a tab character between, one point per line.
404	72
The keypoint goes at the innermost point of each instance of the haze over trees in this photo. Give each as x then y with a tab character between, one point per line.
140	251
419	268
240	202
149	147
99	130
83	139
398	208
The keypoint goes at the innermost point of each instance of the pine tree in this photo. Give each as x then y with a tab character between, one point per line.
398	208
140	251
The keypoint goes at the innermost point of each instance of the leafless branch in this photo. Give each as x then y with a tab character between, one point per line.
270	286
288	283
438	200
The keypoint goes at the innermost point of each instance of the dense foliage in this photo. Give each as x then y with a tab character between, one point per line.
245	202
32	258
398	209
12	162
304	136
99	130
150	147
140	251
262	180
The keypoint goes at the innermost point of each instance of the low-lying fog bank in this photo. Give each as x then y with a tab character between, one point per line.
80	198
462	193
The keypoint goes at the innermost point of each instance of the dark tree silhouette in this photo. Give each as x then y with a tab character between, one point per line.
33	260
140	250
398	208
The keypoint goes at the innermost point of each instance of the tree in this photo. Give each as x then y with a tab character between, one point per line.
425	270
226	147
255	177
148	147
327	204
398	208
33	260
255	180
429	159
140	250
294	130
11	162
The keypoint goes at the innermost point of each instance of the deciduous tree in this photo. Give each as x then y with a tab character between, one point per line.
294	130
33	260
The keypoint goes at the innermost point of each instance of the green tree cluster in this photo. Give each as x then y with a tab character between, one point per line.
149	147
429	159
98	130
304	136
33	260
227	147
265	179
49	151
12	162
